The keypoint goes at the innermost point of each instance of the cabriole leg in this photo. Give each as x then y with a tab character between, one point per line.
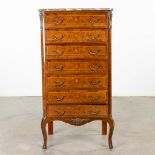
43	128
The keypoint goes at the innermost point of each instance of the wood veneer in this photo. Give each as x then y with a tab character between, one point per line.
76	68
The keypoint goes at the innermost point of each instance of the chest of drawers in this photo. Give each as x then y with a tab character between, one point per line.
76	68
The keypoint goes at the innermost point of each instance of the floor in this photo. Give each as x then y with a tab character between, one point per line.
134	133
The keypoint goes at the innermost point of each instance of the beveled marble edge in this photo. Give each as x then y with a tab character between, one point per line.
77	9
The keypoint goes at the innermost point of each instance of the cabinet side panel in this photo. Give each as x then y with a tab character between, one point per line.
43	61
110	65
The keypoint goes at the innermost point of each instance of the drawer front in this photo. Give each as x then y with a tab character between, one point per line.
78	97
77	67
94	111
77	82
68	21
76	52
73	36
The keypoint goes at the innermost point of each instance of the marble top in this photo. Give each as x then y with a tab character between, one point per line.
76	9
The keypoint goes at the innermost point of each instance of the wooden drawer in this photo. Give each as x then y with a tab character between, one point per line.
76	52
77	67
60	20
94	111
78	97
76	36
77	82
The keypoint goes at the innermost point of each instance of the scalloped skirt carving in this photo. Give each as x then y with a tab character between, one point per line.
77	121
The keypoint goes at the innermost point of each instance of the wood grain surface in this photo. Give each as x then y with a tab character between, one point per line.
76	68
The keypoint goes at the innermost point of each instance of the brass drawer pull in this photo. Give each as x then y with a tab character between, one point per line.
94	68
57	38
92	21
60	99
58	53
94	98
59	83
59	68
58	21
94	112
95	82
95	38
93	52
60	113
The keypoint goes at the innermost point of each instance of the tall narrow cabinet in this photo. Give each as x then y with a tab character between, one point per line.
76	68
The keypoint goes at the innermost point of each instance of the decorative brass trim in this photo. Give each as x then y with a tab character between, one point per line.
77	121
94	112
41	20
110	19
